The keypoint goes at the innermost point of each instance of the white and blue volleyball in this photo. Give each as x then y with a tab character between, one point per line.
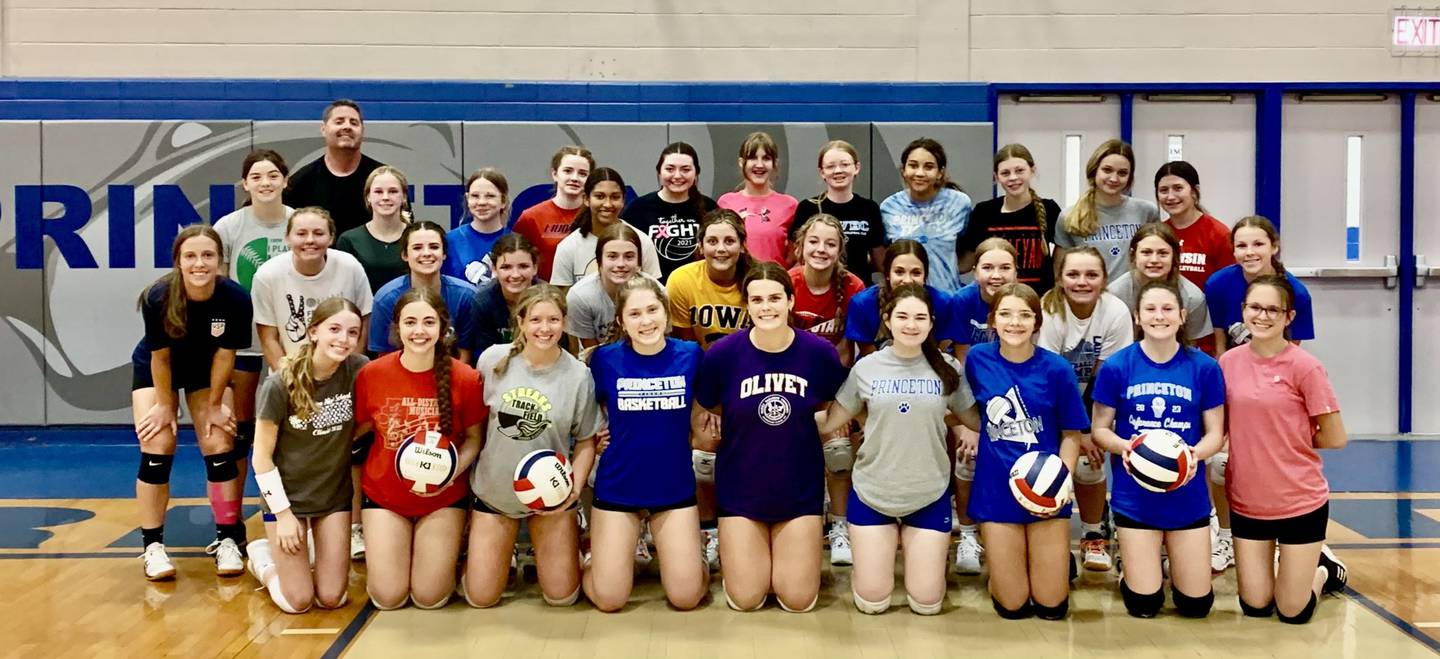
543	479
1160	460
1041	483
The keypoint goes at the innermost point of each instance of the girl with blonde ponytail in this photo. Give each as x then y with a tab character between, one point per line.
302	463
377	243
1106	216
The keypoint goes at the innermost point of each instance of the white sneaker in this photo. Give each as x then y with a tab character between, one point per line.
157	563
1097	553
839	538
260	559
642	552
967	554
228	560
357	542
1222	553
711	547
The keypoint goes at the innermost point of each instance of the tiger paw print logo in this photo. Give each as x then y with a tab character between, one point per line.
524	413
903	408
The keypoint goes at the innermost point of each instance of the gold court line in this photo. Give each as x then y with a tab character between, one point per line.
312	631
1427	625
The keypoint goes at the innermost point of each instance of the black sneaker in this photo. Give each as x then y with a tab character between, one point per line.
1338	575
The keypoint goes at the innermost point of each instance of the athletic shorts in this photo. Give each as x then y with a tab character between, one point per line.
1298	530
249	363
601	504
480	507
1126	522
360	448
187	377
935	516
366	503
266	516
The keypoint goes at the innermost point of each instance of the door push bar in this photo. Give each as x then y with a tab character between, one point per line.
1390	272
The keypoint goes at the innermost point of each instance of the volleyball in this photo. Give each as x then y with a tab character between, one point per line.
1040	482
1160	460
543	479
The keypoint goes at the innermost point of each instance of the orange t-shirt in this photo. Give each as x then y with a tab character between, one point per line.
545	224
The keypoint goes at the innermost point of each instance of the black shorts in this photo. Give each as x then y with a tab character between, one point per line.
187	377
601	504
361	448
1126	522
1305	529
479	506
249	363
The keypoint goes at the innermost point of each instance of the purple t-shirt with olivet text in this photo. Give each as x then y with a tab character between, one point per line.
769	467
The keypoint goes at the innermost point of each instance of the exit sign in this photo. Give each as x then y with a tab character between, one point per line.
1415	31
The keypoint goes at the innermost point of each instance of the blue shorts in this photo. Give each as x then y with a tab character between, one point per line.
249	363
935	516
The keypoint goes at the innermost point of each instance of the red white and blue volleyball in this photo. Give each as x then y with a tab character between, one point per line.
543	479
1041	483
1160	460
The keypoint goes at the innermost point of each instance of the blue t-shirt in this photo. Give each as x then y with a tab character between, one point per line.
862	315
769	466
647	399
222	321
972	317
936	224
459	303
1174	396
467	254
1024	408
1225	296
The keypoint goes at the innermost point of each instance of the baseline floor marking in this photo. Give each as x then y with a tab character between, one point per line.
338	646
310	631
1409	628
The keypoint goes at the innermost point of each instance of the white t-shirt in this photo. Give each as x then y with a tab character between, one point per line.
284	298
1087	342
248	244
575	257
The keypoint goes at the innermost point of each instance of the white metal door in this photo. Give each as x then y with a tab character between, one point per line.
1217	137
1426	330
1060	135
1340	164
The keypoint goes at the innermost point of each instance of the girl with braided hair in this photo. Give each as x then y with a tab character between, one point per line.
1020	216
541	397
425	408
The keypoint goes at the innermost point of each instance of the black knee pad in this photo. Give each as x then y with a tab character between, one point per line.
1012	614
1143	606
244	439
221	468
1257	611
1300	618
1192	607
1057	612
155	468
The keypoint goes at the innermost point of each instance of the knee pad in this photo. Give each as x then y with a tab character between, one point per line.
1192	607
221	467
1025	610
431	607
1216	466
965	469
1300	618
567	600
340	604
838	456
704	464
1142	606
1256	611
731	602
808	608
1057	612
278	597
398	605
867	607
244	439
465	592
1088	473
155	468
924	609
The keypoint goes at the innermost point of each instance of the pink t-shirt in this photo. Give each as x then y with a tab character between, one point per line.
767	222
1274	470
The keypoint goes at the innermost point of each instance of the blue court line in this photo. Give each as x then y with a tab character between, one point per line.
1400	623
341	642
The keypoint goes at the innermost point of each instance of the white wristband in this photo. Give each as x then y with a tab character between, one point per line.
272	490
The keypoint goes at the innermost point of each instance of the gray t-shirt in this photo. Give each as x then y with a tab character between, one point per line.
313	455
530	409
248	244
1197	318
903	464
590	311
1117	226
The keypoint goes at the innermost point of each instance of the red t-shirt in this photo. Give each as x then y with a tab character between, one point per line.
545	224
1274	470
817	313
1204	248
402	406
